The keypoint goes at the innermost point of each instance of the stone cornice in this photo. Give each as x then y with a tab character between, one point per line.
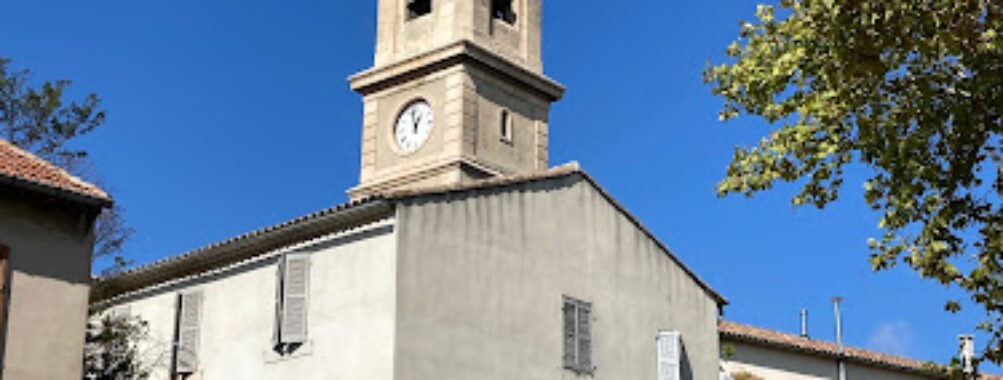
383	77
392	181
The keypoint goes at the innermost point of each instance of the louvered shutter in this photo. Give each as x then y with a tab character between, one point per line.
570	317
277	326
669	350
585	337
295	288
189	320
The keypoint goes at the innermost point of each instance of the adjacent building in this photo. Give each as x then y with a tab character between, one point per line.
462	254
46	241
759	353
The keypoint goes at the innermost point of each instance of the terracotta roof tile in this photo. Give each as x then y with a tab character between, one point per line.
21	166
757	335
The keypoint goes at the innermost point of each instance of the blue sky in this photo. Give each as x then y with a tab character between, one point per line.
228	116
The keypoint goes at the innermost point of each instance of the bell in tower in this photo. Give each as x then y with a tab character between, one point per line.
456	94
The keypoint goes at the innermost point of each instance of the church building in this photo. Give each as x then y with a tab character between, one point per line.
462	253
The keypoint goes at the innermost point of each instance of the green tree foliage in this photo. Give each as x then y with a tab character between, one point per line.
111	350
39	120
912	90
112	342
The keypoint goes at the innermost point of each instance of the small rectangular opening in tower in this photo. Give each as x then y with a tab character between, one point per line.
502	10
506	126
418	8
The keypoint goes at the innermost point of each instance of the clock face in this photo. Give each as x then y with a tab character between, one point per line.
413	126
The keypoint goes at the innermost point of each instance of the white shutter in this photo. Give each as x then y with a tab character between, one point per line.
669	352
295	288
277	326
189	320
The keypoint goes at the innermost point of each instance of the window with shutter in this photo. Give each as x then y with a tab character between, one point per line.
188	322
277	327
5	277
669	352
293	303
577	334
4	284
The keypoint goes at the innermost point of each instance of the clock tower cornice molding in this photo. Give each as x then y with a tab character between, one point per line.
460	52
422	172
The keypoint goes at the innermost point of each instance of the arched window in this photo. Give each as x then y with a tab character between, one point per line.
418	8
502	10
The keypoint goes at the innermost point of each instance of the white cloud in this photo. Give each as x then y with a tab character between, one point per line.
894	337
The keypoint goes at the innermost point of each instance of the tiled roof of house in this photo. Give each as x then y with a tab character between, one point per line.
21	168
731	331
327	221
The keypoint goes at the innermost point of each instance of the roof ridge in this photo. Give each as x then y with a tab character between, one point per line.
822	344
571	168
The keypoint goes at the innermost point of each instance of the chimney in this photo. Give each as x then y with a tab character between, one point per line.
839	336
804	324
967	355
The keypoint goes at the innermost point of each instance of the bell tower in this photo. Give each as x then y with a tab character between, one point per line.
456	94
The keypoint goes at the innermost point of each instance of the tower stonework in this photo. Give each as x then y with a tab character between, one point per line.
456	94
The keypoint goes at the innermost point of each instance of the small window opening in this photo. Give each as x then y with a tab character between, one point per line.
502	10
506	126
418	8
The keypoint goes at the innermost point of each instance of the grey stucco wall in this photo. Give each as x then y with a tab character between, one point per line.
780	364
350	314
482	274
50	250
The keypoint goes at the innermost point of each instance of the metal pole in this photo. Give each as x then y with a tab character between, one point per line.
804	323
839	337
